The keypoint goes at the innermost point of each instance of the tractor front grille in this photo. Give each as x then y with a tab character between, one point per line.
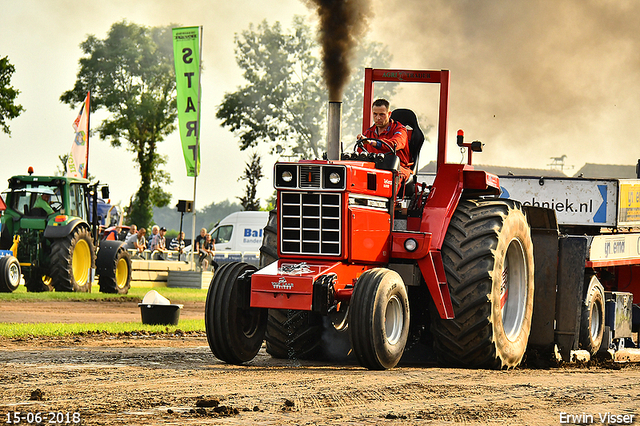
310	177
310	223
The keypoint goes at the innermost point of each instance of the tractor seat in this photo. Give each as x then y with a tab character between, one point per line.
416	137
38	212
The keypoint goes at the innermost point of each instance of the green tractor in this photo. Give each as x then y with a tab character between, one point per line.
51	226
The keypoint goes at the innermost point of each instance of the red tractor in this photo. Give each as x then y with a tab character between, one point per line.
449	263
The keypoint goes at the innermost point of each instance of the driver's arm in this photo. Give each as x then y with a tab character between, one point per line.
398	139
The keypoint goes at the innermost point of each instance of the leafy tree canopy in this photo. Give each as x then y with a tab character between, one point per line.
284	100
131	74
8	108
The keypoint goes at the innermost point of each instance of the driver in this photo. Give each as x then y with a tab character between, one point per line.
43	203
390	131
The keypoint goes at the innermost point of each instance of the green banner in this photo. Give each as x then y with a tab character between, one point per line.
186	54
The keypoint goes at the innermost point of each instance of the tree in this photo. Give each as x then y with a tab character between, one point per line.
62	171
284	100
8	108
131	74
252	174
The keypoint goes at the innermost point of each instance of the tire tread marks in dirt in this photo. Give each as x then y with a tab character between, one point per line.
61	270
470	258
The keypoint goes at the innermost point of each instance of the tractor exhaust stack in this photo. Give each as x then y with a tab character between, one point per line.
334	118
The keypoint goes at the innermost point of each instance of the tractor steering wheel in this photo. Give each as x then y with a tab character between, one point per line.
361	144
56	205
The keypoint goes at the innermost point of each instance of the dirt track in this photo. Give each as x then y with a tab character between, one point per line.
141	380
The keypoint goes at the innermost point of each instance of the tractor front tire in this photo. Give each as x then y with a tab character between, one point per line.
235	331
592	322
379	319
10	274
116	277
488	260
72	258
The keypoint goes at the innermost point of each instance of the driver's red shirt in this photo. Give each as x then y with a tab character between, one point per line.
395	134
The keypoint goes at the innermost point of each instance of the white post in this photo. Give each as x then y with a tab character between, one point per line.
195	177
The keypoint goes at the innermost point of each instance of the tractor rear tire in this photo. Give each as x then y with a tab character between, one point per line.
294	334
235	332
269	248
72	257
10	274
488	260
379	319
592	322
117	278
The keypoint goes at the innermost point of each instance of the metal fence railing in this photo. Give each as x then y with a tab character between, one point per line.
221	257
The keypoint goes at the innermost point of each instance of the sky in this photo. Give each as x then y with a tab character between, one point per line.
532	79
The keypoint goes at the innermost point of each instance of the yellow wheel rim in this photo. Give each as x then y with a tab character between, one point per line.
122	272
81	262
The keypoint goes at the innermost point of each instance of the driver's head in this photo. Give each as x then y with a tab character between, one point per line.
46	197
381	113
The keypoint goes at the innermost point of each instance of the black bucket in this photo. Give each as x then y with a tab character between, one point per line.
160	314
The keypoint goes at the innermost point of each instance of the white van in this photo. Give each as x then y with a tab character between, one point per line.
240	231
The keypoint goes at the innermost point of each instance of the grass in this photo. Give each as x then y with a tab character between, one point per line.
13	330
175	295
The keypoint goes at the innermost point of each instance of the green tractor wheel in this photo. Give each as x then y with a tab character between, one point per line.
114	267
72	258
37	283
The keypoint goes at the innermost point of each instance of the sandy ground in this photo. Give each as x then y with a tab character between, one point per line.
174	379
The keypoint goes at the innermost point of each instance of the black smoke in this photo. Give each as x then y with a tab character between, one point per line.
342	23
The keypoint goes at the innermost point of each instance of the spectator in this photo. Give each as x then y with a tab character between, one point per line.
137	242
207	252
112	234
177	244
199	240
154	231
158	245
133	229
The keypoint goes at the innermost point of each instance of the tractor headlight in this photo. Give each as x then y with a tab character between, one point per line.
286	175
334	177
410	244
